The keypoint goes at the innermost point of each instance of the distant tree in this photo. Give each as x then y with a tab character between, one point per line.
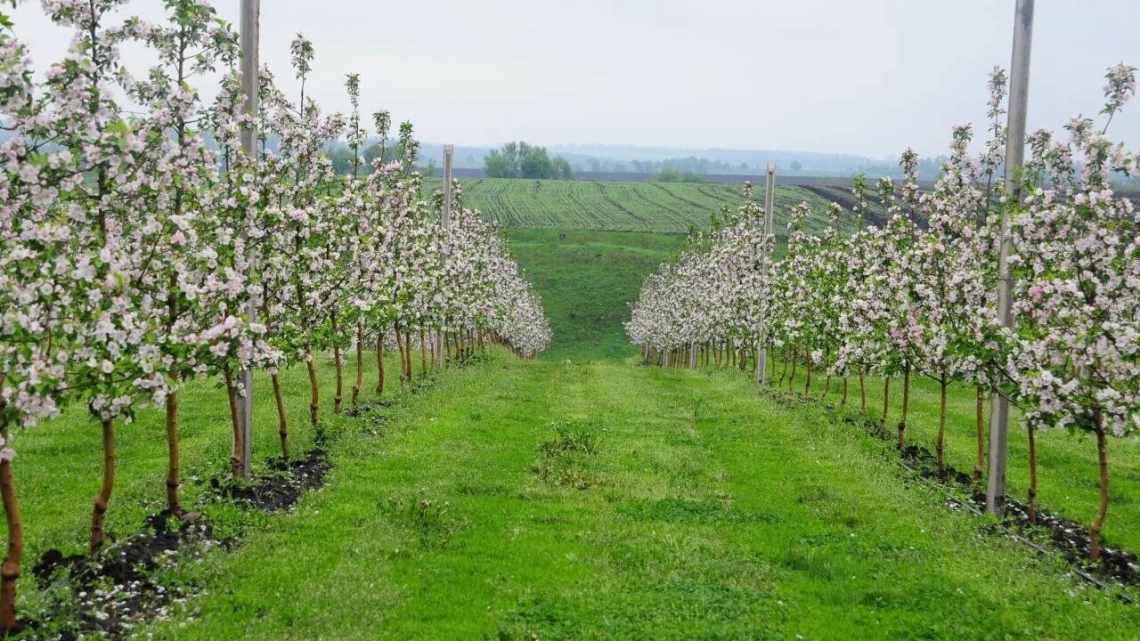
496	165
797	165
562	170
522	160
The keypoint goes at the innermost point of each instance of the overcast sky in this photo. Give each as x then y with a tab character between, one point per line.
867	77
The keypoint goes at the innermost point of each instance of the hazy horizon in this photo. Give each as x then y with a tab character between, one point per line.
866	79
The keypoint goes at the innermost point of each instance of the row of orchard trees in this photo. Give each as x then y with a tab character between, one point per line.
135	242
914	295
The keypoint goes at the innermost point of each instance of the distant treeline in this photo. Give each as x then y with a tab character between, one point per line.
689	166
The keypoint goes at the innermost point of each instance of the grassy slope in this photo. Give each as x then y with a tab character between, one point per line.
586	279
710	513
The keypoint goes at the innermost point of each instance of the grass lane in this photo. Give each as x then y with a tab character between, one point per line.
672	505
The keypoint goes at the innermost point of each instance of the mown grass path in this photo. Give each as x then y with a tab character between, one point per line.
548	500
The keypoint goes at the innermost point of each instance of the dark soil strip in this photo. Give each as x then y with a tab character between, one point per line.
281	487
111	592
117	588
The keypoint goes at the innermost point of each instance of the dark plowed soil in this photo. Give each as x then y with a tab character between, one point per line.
110	592
281	487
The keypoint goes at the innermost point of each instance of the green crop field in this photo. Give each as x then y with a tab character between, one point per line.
617	206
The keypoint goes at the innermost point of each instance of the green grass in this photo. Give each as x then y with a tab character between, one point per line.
586	279
59	464
618	206
1068	482
547	500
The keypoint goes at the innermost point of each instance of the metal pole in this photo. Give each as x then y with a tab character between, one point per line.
1014	155
769	200
448	160
250	37
448	163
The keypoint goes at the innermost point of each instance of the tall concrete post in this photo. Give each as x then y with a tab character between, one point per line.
769	213
250	41
1014	156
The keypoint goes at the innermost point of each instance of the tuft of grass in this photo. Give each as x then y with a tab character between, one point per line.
431	520
565	460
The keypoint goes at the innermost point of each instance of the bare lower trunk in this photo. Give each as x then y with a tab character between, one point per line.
238	452
403	361
358	383
282	419
905	407
862	394
1102	508
1031	508
807	381
843	401
886	406
10	571
792	375
173	475
314	390
408	355
423	353
339	395
380	364
940	445
980	461
103	500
